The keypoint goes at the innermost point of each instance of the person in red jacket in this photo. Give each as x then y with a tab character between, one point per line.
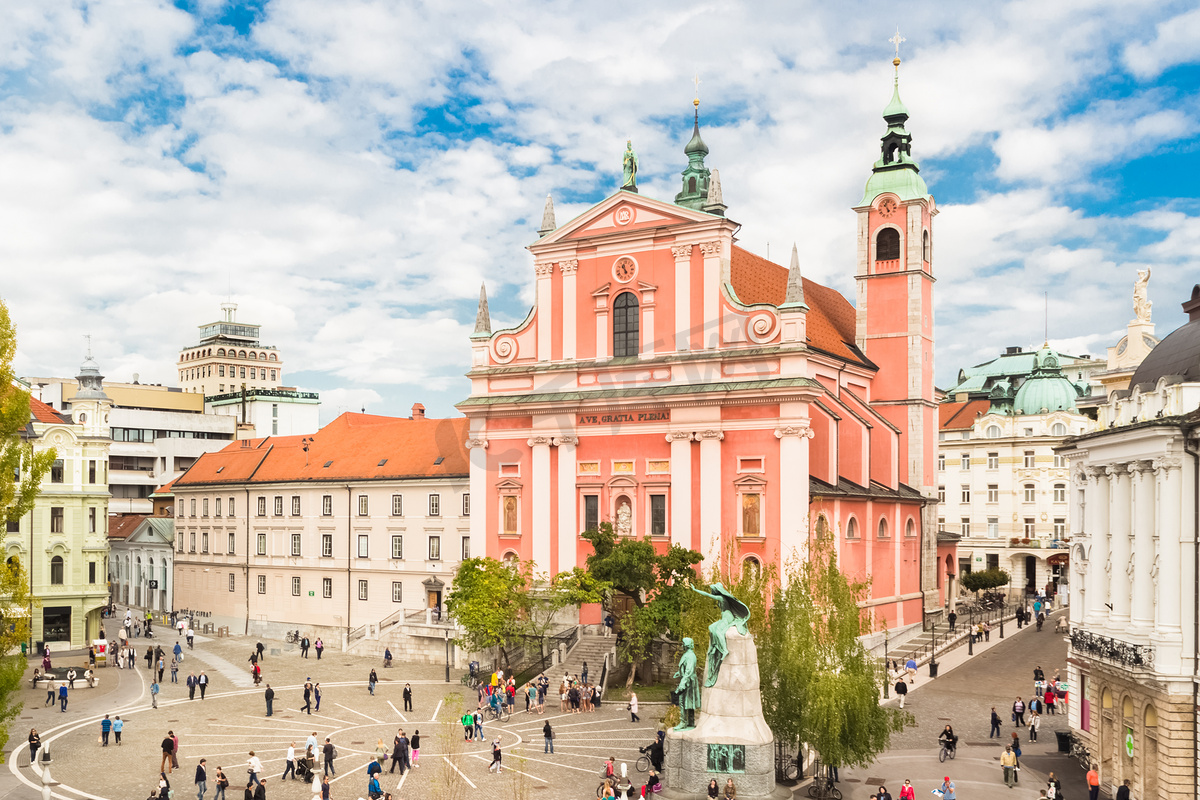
907	792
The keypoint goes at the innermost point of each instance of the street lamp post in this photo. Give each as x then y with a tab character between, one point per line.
447	656
1002	610
887	677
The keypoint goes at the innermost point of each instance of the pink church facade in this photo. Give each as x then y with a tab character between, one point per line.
691	392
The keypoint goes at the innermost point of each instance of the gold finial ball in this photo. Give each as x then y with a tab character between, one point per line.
696	102
896	61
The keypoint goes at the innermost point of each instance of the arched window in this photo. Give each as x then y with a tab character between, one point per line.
822	527
1059	429
887	245
691	184
241	353
910	528
993	432
253	355
56	571
273	357
625	325
751	568
852	528
925	246
883	528
220	351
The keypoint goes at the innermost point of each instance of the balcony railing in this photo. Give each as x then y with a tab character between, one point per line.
1112	650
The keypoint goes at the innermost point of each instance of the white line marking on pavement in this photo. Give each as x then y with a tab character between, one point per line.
435	712
556	764
352	711
282	722
400	785
460	772
398	714
526	774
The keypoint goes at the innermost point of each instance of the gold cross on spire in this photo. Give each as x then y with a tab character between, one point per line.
696	81
897	40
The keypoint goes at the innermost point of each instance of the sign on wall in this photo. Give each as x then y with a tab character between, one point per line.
625	417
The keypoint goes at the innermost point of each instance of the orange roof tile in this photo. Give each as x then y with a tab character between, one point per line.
352	447
121	525
831	321
960	416
164	490
44	413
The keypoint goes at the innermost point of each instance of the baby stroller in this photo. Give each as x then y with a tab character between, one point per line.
305	769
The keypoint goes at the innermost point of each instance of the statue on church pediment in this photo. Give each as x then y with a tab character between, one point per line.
629	168
1141	303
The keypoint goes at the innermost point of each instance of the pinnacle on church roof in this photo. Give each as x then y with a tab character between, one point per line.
795	284
696	176
715	204
483	320
696	144
895	171
548	224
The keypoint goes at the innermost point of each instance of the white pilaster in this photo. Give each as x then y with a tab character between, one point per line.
1097	530
545	313
541	502
683	295
477	445
1168	633
1142	578
569	270
712	294
710	494
1120	526
793	494
568	516
681	487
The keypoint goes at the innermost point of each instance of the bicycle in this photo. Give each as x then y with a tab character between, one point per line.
791	769
822	788
499	713
643	764
946	752
1080	753
292	637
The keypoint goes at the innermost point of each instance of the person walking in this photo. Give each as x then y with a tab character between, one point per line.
168	749
202	682
901	691
468	723
396	757
191	684
414	744
51	692
174	753
907	791
633	708
260	791
269	696
1093	782
289	763
304	647
911	668
161	669
307	697
62	697
118	726
222	785
105	729
35	744
952	618
324	784
261	650
174	670
548	736
995	732
1035	722
1018	713
372	679
1123	790
1048	700
496	754
317	693
1016	749
319	646
1009	761
178	651
1053	788
478	719
254	765
330	753
407	697
201	780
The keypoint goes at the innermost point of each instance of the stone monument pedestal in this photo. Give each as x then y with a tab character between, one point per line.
731	738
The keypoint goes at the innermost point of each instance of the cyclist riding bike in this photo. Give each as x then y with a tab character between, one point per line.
948	740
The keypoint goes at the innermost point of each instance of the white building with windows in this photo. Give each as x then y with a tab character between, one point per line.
228	356
1135	595
141	551
1001	486
361	524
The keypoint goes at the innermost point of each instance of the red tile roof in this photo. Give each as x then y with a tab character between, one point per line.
352	447
831	321
121	525
44	413
960	416
165	490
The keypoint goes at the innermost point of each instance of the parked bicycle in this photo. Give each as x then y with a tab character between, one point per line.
293	637
1080	753
822	788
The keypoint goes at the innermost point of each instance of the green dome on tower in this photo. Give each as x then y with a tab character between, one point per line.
1047	389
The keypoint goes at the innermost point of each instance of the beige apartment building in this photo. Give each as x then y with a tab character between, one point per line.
356	527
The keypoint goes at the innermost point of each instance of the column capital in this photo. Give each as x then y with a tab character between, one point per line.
537	441
560	441
477	441
1116	470
544	269
1167	464
710	434
679	436
712	248
1138	467
569	267
802	430
682	252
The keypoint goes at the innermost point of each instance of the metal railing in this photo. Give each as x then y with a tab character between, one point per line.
943	639
531	666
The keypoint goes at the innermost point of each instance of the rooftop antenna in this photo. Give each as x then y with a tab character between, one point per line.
88	336
1046	316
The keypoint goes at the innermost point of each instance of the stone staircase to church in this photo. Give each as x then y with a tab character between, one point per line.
592	649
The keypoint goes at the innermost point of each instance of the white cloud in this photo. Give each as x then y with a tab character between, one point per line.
1175	41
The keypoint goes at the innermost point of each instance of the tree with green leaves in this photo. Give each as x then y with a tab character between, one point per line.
21	469
485	600
984	580
819	684
655	583
545	598
21	474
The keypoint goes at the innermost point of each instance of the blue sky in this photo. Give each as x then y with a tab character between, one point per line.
349	172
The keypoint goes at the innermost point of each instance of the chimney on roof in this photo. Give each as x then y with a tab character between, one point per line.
418	411
1012	351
